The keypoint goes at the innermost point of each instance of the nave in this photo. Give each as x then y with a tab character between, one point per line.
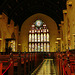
47	68
37	63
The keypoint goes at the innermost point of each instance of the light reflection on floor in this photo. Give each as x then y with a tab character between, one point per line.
47	68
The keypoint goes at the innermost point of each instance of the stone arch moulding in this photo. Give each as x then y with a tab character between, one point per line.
51	25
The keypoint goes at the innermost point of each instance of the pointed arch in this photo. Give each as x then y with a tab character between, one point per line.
51	25
39	37
13	35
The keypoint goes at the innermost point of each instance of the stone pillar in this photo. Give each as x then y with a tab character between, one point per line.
73	41
61	36
59	44
71	18
56	46
65	29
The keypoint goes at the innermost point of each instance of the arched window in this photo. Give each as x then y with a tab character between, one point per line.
39	37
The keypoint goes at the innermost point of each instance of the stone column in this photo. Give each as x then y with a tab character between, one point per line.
65	29
59	44
56	46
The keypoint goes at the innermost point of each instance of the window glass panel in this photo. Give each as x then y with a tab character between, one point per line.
35	47
29	47
35	30
47	47
38	37
33	25
29	37
12	45
44	30
47	37
35	37
41	37
38	47
47	30
44	47
32	31
38	31
44	25
32	37
41	47
41	30
32	47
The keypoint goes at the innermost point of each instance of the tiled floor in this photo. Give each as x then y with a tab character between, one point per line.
47	68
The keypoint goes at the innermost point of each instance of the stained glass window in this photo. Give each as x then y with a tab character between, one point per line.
39	37
35	37
38	47
47	37
44	47
13	45
33	25
29	47
41	30
35	47
29	37
44	25
44	30
35	30
47	47
32	31
32	47
47	30
38	31
32	37
41	47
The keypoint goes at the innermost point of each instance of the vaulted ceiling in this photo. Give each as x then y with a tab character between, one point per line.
20	10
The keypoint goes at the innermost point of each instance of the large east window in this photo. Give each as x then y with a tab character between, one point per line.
39	37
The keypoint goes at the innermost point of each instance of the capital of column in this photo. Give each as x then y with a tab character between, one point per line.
19	44
56	42
64	11
62	22
0	38
69	3
60	25
73	34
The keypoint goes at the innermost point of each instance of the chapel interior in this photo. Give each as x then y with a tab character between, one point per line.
37	37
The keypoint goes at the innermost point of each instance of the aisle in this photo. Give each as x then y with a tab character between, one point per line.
47	68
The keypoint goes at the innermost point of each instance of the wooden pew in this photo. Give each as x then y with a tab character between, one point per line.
29	60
